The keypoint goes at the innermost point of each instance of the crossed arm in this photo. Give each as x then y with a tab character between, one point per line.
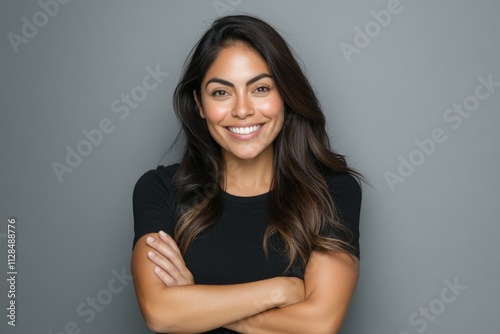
171	302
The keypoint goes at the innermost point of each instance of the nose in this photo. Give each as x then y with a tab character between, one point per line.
242	107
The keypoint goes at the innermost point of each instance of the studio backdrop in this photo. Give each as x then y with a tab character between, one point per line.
411	92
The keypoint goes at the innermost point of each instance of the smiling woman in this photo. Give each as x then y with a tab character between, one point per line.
256	230
242	106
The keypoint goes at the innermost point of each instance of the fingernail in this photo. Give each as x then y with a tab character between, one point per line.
150	240
157	269
151	254
163	234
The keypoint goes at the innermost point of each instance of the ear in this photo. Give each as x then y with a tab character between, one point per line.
198	104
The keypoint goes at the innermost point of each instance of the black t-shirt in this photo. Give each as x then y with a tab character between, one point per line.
232	252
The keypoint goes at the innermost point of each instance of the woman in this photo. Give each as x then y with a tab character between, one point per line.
256	230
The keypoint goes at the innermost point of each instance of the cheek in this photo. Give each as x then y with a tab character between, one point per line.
281	121
274	109
215	112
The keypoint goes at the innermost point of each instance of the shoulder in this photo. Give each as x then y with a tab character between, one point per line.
345	191
343	186
157	181
160	175
154	202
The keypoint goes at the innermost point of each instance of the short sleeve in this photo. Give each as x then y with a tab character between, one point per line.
346	195
153	202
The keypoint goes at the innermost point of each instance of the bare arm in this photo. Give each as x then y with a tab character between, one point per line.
330	281
174	304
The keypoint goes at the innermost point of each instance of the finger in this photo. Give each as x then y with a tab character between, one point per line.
182	278
179	271
162	247
165	277
169	241
178	260
164	264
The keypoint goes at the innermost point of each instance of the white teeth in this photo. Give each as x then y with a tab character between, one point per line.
244	131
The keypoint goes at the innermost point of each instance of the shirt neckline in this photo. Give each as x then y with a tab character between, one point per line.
246	199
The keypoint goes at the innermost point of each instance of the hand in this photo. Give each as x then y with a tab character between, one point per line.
294	290
171	268
290	290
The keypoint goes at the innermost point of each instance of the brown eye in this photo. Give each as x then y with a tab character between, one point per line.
262	89
219	93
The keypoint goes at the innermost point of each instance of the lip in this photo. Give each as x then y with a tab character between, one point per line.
245	136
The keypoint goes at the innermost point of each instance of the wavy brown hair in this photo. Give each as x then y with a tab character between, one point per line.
300	205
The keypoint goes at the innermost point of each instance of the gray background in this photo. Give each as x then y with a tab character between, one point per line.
439	225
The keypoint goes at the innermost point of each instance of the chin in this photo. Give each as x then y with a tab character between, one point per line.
245	155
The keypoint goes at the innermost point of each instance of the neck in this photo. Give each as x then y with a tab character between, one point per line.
249	177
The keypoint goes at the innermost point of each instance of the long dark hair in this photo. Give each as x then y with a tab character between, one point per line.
300	205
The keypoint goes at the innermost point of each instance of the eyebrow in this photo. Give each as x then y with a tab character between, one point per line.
230	84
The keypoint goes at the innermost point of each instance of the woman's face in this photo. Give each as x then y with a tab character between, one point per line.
241	104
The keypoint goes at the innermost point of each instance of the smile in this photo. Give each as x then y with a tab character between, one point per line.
244	131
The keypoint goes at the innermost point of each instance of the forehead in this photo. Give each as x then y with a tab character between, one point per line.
235	62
